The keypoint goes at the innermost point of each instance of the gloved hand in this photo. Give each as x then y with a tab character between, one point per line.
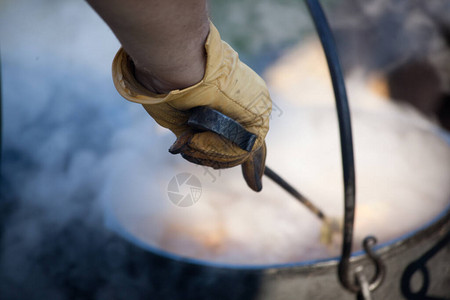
228	86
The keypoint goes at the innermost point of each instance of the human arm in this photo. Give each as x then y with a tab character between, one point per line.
170	82
165	39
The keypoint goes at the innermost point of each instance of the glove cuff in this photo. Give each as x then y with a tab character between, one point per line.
127	85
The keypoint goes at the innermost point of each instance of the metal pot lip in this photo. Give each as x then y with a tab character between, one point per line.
123	232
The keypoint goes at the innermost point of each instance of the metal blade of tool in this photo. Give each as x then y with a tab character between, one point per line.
291	190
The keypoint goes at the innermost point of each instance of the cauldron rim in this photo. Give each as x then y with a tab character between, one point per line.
323	262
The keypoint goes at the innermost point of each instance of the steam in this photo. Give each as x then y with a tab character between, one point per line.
234	225
231	224
77	157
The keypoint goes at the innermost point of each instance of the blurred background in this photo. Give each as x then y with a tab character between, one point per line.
67	135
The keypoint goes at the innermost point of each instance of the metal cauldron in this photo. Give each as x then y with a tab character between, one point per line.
417	267
413	266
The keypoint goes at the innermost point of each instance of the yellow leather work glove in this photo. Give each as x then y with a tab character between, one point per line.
228	86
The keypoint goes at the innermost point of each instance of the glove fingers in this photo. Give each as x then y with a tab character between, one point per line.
192	147
210	149
181	141
253	168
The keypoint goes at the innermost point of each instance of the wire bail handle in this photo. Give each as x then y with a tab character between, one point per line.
356	283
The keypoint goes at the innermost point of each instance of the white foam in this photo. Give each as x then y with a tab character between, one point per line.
402	165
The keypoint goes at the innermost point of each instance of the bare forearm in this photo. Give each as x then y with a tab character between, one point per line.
165	38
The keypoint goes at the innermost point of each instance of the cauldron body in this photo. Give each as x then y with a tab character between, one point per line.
417	267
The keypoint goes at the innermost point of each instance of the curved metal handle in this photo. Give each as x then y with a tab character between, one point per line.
204	118
207	119
326	37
